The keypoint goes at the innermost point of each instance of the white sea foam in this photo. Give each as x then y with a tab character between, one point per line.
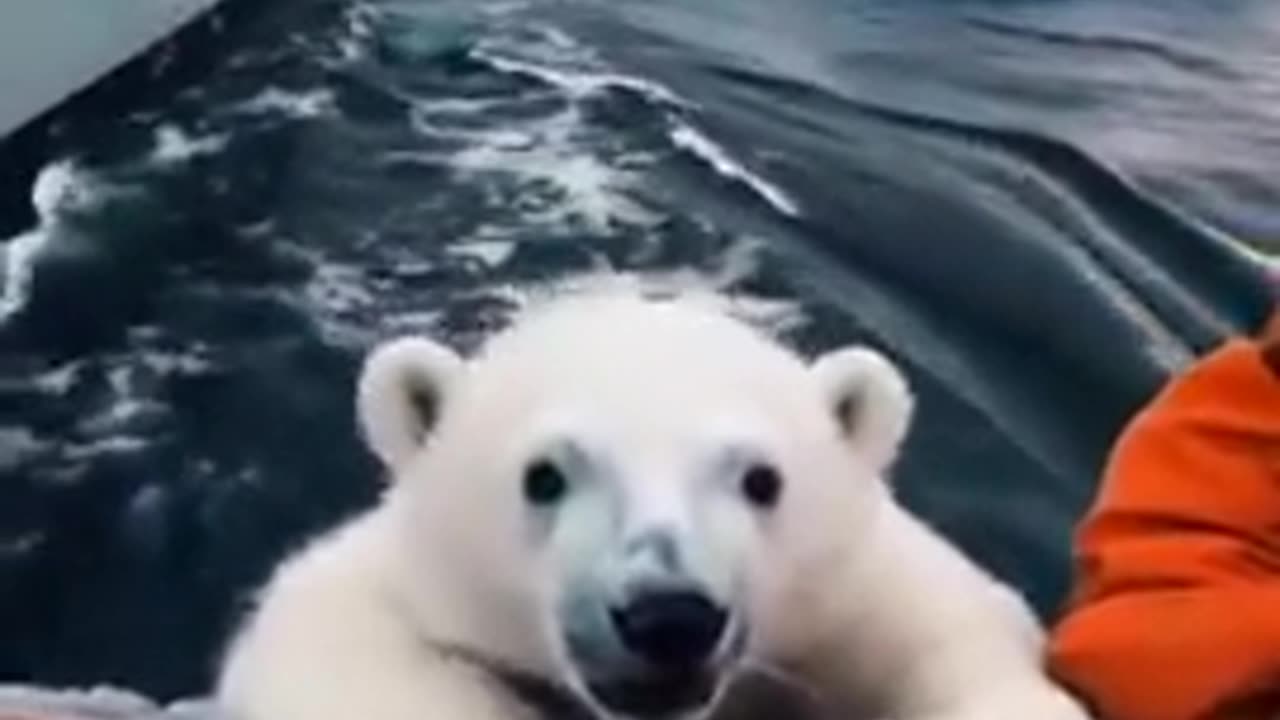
556	58
490	252
455	106
173	145
339	288
291	103
738	262
16	446
339	296
191	361
58	380
576	82
546	153
123	410
109	445
775	315
19	271
360	29
423	322
562	62
61	187
689	138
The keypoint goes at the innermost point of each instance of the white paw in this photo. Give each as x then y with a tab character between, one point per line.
1050	704
1042	704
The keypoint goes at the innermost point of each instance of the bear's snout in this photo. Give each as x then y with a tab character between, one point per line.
671	628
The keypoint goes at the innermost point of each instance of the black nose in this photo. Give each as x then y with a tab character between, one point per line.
671	628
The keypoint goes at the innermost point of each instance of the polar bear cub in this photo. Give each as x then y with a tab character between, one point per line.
613	509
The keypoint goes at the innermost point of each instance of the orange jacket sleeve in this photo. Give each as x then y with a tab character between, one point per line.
1176	615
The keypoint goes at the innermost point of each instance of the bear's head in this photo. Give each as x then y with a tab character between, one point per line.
610	492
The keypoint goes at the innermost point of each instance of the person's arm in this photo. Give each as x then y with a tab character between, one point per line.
1176	615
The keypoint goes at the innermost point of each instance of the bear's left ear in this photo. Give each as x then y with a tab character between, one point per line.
403	388
869	399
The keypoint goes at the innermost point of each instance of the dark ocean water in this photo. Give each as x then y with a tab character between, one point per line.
1039	208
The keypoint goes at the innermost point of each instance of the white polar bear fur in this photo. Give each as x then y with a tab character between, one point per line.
844	589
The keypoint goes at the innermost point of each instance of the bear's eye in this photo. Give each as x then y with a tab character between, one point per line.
544	484
762	486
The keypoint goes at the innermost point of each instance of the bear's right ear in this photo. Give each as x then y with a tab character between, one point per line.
870	401
403	387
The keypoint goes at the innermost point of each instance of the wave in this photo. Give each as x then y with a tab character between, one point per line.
564	63
689	138
1150	248
1161	49
553	57
578	84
